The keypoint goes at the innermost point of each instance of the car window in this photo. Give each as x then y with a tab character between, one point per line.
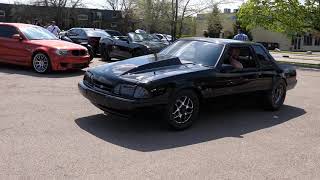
7	31
262	57
81	33
37	33
245	57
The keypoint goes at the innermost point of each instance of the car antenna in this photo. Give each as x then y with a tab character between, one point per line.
156	56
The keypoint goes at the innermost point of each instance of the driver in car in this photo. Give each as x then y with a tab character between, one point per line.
234	58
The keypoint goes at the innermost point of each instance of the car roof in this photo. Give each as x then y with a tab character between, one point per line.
18	25
218	40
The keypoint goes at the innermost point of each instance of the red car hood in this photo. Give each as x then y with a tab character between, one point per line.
58	44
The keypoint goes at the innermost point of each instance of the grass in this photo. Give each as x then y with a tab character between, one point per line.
306	65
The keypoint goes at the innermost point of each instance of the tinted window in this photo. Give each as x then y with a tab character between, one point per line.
263	58
114	33
7	31
197	52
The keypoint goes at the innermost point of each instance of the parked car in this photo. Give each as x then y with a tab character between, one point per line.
133	45
34	46
185	73
63	37
91	36
165	38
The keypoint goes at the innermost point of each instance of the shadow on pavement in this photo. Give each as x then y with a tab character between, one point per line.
15	69
217	120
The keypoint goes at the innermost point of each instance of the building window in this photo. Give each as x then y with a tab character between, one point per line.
114	25
307	40
317	41
83	17
2	13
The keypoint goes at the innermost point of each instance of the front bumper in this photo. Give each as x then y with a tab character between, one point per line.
117	105
70	62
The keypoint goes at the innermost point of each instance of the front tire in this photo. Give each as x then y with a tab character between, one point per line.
41	63
182	110
275	97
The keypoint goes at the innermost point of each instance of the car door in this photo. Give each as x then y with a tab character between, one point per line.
267	67
229	80
12	50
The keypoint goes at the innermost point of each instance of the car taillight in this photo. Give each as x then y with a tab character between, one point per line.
93	41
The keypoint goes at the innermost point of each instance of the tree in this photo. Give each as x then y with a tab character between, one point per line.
126	7
214	23
288	16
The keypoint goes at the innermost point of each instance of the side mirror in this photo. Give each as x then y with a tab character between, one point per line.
17	37
226	68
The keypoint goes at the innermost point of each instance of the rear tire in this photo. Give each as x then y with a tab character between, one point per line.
275	97
41	63
182	110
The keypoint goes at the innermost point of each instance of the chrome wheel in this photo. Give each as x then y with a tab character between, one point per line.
278	94
40	63
183	110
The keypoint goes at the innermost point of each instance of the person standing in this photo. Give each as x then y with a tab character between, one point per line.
54	29
241	36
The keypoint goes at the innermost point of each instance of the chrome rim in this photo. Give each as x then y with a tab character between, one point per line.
40	63
277	94
183	110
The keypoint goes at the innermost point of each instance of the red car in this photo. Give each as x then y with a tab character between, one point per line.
34	46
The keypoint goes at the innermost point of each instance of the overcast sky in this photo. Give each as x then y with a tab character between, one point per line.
99	3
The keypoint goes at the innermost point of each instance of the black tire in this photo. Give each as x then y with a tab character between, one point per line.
182	110
137	53
275	97
41	63
105	54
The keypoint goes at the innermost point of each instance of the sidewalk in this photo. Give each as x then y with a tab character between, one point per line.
297	58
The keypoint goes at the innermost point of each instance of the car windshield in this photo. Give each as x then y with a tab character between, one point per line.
138	37
37	33
114	33
198	52
96	33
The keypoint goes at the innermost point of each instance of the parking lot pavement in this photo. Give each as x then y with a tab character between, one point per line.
49	131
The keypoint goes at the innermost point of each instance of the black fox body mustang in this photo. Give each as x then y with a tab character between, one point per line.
185	73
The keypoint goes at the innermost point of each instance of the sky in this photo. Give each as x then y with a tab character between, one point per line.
100	3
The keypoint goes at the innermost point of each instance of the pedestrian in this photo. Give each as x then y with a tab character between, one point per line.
54	29
241	36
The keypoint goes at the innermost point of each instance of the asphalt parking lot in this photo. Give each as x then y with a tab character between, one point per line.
49	131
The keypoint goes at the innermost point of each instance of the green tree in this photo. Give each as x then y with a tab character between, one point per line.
214	23
286	16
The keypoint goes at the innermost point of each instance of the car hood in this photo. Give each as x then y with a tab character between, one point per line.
57	44
143	69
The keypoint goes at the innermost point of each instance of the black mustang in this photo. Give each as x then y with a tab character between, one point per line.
133	45
184	73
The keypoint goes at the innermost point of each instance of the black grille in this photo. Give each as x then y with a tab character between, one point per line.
79	52
93	82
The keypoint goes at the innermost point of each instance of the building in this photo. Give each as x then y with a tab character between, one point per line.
65	17
227	19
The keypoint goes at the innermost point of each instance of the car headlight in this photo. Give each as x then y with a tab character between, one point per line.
131	91
61	52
